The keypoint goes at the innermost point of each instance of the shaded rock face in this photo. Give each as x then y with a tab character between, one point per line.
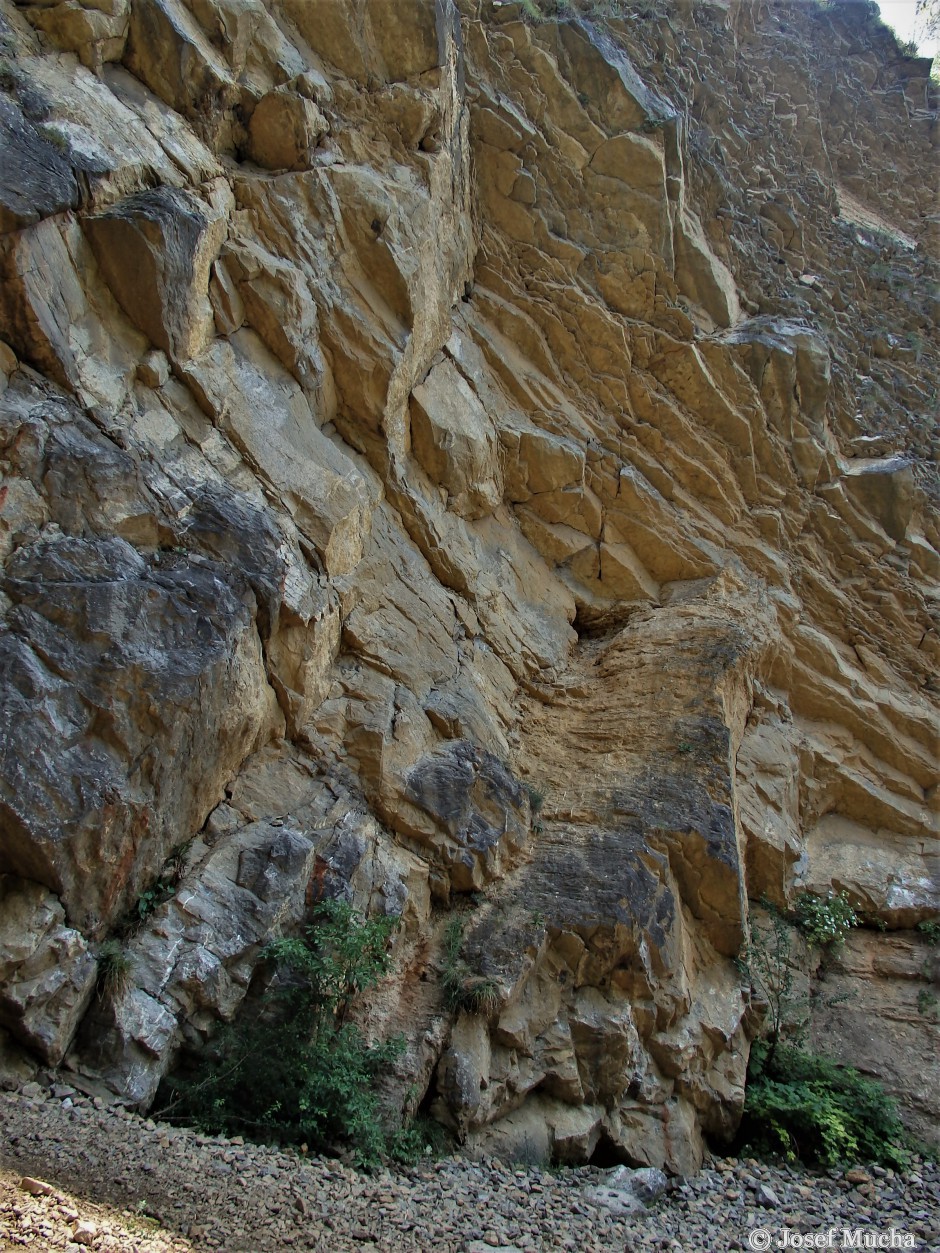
404	403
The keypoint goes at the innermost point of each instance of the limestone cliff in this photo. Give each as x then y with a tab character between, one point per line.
407	401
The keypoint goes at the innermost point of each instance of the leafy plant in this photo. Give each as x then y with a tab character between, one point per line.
927	1003
930	930
825	920
800	1104
296	1071
152	898
160	891
342	955
114	970
806	1107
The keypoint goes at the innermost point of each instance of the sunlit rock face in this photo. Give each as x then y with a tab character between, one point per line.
475	467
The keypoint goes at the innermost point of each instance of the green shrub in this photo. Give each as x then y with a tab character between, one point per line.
341	955
930	930
825	920
295	1071
799	1104
806	1107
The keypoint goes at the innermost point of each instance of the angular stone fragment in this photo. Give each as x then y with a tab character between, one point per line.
131	691
885	489
169	51
156	250
284	131
624	1190
269	419
453	438
467	807
47	974
634	160
96	30
37	179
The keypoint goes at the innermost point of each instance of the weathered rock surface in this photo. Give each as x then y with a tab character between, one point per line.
47	975
404	403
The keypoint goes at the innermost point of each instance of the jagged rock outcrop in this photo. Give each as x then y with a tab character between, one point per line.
403	403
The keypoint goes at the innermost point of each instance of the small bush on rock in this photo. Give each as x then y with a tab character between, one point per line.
297	1071
114	970
825	920
463	989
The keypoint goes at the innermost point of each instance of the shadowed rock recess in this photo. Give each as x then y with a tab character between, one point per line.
404	402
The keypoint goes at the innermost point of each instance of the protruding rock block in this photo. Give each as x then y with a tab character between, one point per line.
96	30
455	441
885	490
634	160
284	131
169	51
257	403
466	807
37	179
131	691
390	41
47	974
701	274
155	250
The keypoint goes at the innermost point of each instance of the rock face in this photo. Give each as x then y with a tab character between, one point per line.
472	466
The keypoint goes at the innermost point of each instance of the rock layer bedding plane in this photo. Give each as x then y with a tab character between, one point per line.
475	465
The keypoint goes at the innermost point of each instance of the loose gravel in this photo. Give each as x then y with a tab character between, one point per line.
76	1175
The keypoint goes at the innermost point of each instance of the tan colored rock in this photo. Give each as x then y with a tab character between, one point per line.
228	308
22	512
455	442
665	1136
154	370
393	43
155	251
767	767
885	978
284	131
282	311
96	31
634	160
506	427
169	51
329	498
879	869
60	314
885	489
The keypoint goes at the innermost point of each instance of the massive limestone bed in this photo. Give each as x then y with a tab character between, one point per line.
407	401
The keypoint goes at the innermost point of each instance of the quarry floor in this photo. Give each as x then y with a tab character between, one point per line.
74	1176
